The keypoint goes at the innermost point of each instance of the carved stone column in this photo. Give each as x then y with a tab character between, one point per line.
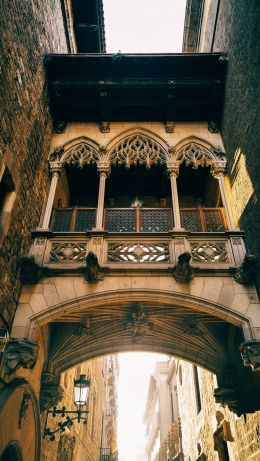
104	170
173	170
56	169
218	170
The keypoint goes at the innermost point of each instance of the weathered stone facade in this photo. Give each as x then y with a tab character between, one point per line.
205	425
85	441
29	30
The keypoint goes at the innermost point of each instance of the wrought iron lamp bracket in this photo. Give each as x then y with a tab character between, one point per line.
63	424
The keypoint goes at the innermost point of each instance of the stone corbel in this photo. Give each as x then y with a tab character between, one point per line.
30	272
213	126
169	127
218	168
93	271
250	354
173	168
56	154
245	273
18	353
51	393
183	272
104	127
103	166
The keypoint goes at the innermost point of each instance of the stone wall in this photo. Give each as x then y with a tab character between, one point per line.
238	34
29	30
245	430
83	440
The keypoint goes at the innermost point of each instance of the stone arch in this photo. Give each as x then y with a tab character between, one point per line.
195	152
138	146
78	151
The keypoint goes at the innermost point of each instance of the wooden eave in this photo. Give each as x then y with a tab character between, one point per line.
136	87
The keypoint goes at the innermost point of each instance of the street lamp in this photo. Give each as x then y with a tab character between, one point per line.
81	393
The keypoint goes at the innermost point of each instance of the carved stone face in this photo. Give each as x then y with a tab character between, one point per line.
250	353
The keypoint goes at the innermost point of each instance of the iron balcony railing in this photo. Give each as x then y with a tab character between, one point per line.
138	219
107	455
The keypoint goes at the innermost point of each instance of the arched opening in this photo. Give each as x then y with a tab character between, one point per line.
138	199
201	207
75	200
12	453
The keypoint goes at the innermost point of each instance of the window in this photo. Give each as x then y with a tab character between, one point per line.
197	388
7	197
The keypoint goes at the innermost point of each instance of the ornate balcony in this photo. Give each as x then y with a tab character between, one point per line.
139	219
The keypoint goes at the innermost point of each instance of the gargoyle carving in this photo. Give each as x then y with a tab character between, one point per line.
51	394
244	274
250	353
93	271
30	272
227	396
19	353
183	272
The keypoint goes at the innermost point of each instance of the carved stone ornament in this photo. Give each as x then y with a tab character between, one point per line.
19	353
244	274
103	166
213	126
173	168
226	396
169	127
137	324
104	127
56	154
30	272
51	394
60	126
66	447
24	408
250	353
93	270
183	272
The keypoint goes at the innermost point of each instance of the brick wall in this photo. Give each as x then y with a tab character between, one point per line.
29	30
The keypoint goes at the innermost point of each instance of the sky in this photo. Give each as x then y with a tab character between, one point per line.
139	26
144	26
135	371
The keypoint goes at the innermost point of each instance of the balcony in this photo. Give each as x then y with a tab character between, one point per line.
107	455
78	219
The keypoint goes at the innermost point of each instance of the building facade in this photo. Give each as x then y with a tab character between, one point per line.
199	428
95	440
119	215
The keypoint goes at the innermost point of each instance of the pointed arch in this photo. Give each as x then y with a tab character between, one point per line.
78	151
138	146
197	152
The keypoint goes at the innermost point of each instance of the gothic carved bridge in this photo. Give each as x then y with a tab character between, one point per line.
74	321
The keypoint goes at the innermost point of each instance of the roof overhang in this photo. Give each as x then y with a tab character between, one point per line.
136	87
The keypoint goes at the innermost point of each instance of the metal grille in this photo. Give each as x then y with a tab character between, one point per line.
190	220
62	220
155	220
120	220
214	220
85	220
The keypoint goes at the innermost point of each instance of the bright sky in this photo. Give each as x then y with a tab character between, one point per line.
139	26
133	382
144	26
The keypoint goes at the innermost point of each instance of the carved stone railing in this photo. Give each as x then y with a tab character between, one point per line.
208	250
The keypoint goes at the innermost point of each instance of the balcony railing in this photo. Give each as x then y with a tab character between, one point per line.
139	219
73	219
107	455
